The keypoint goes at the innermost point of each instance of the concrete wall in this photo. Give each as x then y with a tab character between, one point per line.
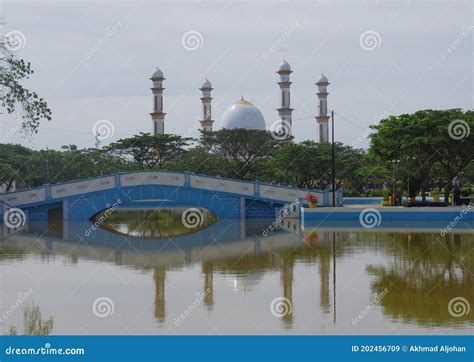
381	214
255	209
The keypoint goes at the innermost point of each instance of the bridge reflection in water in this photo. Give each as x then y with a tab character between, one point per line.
423	271
232	247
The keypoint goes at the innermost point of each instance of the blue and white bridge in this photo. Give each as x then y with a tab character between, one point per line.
227	198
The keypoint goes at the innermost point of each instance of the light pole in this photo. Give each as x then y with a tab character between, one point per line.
333	161
47	169
408	185
393	179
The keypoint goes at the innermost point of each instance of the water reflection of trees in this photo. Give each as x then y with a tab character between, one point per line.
426	273
34	325
153	223
11	252
422	271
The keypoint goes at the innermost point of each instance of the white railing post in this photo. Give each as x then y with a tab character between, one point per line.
187	179
256	189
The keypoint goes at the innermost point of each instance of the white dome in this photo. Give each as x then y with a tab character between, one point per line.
243	114
206	84
247	282
157	73
322	79
284	66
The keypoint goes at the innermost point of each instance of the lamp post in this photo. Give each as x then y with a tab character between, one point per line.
393	179
408	185
333	161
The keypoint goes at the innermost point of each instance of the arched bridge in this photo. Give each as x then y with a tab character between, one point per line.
227	198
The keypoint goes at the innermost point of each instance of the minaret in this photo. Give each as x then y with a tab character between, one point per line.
206	100
159	276
285	111
286	276
158	117
323	117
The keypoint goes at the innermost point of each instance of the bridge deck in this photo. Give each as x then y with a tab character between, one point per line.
227	197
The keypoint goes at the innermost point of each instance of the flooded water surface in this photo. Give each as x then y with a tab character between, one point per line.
157	272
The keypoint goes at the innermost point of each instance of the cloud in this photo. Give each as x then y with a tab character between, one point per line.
402	75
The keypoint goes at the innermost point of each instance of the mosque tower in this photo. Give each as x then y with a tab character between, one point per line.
206	100
322	118
158	117
285	111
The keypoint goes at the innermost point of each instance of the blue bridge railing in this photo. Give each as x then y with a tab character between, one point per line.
249	189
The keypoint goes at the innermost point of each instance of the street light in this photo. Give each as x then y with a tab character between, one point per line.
333	161
393	179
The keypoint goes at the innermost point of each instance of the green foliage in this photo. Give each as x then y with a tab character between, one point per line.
33	108
467	191
154	223
308	164
378	193
150	151
34	168
373	172
14	165
420	143
409	154
241	149
352	193
199	160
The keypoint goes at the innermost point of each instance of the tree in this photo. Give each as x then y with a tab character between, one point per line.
12	72
199	160
454	152
13	165
417	141
309	164
148	151
240	148
29	168
373	172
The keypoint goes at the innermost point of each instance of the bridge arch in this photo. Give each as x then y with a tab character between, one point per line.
227	198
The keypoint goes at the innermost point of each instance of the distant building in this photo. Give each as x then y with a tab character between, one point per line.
242	113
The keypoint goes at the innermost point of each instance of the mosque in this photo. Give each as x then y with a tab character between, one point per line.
242	113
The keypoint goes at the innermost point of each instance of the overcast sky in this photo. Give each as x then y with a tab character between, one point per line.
93	61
